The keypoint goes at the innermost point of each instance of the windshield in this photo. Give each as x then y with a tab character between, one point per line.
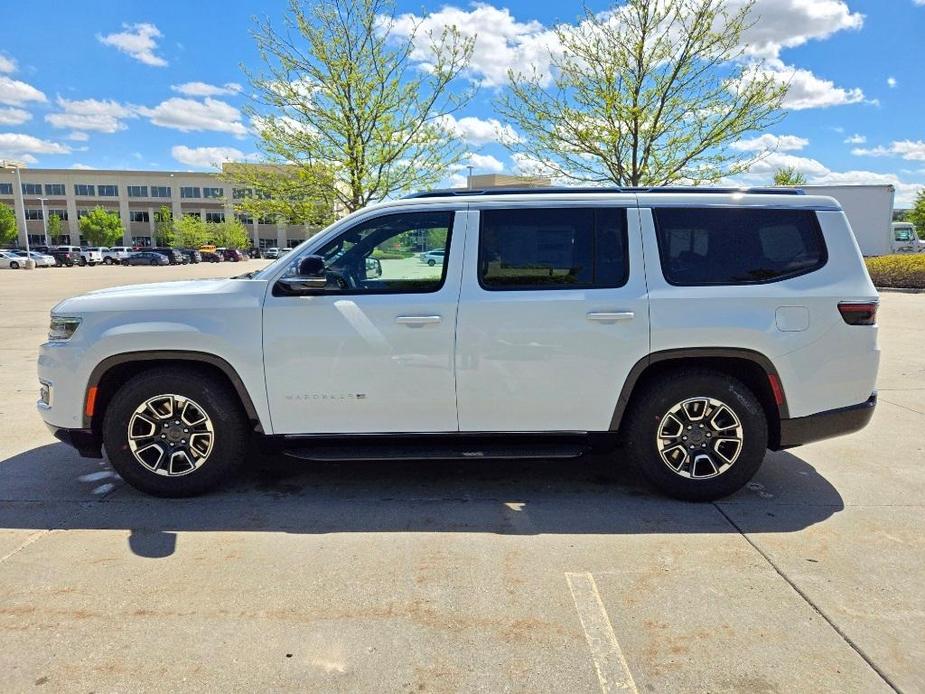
904	234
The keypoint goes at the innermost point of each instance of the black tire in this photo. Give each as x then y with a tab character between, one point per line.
107	261
216	398
431	262
81	262
653	403
14	265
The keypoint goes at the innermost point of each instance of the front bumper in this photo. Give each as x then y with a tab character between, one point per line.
88	443
826	425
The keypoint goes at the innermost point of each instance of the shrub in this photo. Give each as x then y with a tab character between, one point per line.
898	270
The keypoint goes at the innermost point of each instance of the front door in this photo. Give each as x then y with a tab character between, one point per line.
374	352
553	314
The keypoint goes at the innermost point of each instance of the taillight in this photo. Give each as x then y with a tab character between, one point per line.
858	313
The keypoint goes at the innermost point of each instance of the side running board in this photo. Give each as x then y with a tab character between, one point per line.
353	452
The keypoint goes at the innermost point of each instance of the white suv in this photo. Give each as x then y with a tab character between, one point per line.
698	327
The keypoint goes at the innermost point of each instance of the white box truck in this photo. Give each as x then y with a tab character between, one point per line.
869	209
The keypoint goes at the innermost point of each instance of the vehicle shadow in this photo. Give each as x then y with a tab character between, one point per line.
50	487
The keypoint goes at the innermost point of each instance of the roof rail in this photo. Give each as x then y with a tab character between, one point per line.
450	192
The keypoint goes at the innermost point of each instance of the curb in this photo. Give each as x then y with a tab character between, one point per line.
901	290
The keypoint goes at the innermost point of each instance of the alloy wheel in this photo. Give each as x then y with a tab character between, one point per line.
699	438
171	435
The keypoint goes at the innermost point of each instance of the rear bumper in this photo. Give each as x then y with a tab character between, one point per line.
826	425
88	443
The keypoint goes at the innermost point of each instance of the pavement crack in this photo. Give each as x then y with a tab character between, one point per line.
818	610
896	404
25	543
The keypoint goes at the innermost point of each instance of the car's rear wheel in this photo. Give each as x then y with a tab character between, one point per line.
14	265
697	434
431	262
107	261
175	432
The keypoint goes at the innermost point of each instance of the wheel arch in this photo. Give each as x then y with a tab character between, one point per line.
112	372
753	368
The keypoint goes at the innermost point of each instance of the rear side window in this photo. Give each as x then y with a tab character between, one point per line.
552	248
704	246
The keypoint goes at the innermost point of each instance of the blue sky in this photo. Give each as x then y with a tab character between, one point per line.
140	85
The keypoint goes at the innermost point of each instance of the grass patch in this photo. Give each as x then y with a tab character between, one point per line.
901	270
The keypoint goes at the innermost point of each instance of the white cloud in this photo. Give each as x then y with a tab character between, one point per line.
91	114
910	150
78	136
14	116
207	157
21	146
7	64
138	41
80	167
478	131
891	82
806	90
485	162
501	42
780	24
855	140
765	167
188	115
766	142
16	93
204	89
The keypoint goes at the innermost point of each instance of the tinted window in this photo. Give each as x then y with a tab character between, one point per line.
737	246
552	248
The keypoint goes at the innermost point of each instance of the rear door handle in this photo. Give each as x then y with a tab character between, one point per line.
417	320
610	316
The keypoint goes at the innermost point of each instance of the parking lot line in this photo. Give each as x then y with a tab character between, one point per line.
612	670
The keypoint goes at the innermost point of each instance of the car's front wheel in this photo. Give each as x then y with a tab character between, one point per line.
175	432
107	261
697	434
14	265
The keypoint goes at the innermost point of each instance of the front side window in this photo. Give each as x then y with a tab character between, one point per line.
903	234
727	246
553	248
386	254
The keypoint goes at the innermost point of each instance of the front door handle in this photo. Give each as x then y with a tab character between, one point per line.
414	321
610	316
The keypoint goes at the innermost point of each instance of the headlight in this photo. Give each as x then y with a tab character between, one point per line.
61	328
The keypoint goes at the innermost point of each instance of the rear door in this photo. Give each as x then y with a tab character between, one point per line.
553	315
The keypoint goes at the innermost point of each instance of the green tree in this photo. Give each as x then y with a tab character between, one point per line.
163	227
101	227
917	214
342	97
9	232
789	176
291	192
54	227
228	234
649	93
190	232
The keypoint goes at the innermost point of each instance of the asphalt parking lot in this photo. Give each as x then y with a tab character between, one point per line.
561	577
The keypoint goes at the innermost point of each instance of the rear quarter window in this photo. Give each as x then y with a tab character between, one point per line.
730	246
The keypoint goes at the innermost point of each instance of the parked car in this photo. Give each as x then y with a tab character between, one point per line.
699	327
63	258
174	257
433	257
87	256
271	253
284	251
146	258
10	260
192	255
233	255
113	255
210	257
41	259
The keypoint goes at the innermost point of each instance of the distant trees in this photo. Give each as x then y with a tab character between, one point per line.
8	229
163	227
54	226
228	234
190	232
917	214
101	227
789	176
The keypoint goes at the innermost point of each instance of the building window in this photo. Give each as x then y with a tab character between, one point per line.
241	193
107	191
6	188
54	189
139	216
216	217
33	215
266	220
31	188
192	214
84	189
190	192
244	218
138	191
212	193
36	239
82	213
141	241
61	240
60	214
160	191
263	195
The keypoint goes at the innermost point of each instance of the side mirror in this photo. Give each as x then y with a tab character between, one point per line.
373	268
311	278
